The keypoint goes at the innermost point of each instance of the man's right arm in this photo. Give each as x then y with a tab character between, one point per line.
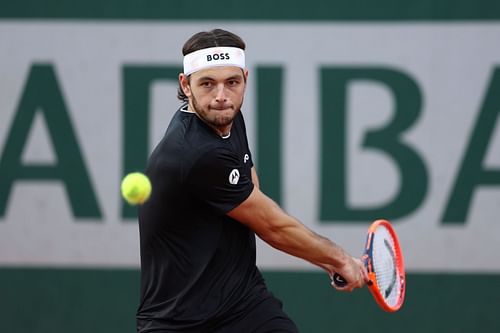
287	234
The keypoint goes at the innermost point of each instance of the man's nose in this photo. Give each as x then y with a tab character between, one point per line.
221	93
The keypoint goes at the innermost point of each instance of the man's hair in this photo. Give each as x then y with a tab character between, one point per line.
205	39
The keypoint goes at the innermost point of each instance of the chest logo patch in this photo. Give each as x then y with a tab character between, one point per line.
246	158
234	176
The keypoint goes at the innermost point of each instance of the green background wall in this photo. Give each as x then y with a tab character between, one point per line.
104	300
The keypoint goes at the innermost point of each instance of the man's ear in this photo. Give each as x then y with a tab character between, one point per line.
184	83
245	74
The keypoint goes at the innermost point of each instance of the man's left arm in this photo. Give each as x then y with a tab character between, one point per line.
255	178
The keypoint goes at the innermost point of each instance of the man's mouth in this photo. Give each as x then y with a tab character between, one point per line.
220	108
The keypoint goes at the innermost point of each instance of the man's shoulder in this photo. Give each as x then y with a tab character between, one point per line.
186	139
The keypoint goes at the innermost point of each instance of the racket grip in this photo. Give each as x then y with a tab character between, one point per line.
339	280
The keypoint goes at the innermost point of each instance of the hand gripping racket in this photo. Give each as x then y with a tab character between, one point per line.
383	260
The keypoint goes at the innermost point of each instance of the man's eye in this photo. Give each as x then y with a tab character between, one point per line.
206	84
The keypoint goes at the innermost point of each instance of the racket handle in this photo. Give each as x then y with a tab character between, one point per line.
339	280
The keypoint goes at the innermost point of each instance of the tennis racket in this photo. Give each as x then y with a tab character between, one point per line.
383	260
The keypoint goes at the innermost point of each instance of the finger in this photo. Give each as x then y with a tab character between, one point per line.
364	274
360	283
363	271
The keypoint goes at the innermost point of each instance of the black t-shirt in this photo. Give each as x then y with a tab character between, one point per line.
196	262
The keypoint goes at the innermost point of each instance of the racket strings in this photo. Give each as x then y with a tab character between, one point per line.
385	261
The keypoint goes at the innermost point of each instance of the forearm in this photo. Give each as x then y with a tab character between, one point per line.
289	235
286	233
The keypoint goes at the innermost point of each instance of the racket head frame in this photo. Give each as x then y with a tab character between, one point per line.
368	261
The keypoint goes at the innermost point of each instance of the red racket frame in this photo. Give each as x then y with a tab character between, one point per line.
372	284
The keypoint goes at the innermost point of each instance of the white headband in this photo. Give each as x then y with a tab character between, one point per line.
213	56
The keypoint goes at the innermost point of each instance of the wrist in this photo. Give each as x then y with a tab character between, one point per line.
340	258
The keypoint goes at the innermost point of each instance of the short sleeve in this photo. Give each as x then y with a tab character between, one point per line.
219	179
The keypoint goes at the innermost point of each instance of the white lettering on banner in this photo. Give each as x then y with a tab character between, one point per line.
39	227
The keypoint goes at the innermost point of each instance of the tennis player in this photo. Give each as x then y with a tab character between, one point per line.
197	231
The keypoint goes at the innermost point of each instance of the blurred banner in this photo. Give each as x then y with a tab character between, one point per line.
348	122
355	111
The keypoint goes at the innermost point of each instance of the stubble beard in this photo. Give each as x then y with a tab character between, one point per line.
212	118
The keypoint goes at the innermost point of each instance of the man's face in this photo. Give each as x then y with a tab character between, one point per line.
216	95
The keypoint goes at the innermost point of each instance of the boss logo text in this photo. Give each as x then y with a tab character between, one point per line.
218	56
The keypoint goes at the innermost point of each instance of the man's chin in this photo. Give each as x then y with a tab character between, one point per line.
222	121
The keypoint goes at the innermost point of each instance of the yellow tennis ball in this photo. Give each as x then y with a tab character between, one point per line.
136	188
